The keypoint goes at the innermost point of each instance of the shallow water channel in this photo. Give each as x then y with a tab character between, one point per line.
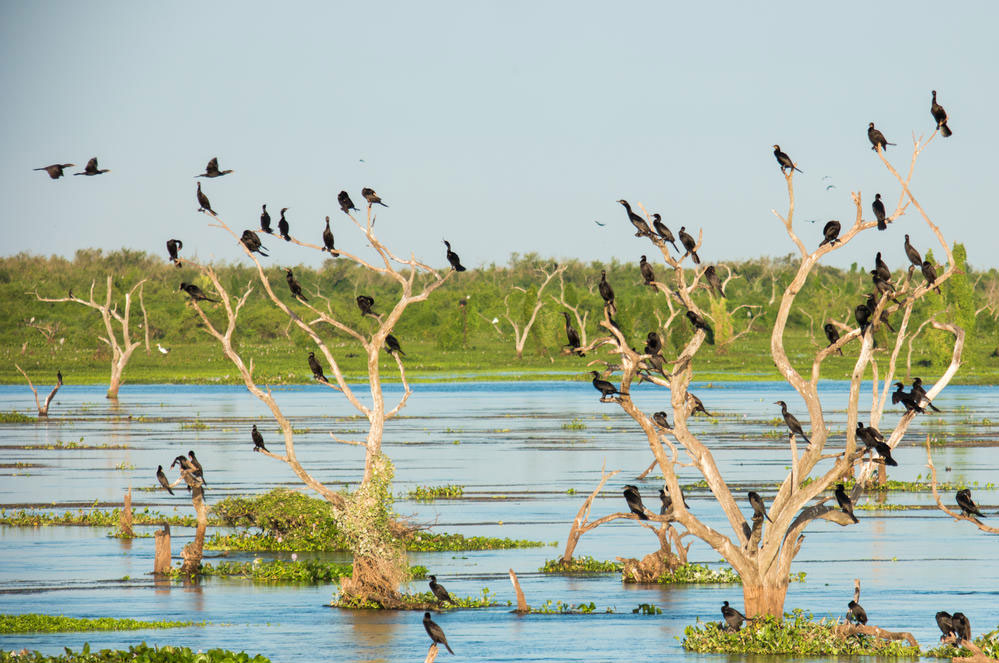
508	445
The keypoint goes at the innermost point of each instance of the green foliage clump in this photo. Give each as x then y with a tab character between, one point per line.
429	542
647	609
35	623
288	520
305	571
92	518
136	654
13	417
560	608
797	634
579	566
430	493
987	642
690	574
484	601
574	424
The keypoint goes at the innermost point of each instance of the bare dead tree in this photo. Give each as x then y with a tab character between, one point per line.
523	328
117	332
380	564
43	408
763	556
578	312
50	332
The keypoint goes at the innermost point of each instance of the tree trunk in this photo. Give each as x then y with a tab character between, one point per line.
192	552
764	598
125	521
161	563
115	384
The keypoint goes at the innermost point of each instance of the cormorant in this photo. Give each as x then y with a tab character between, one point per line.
832	334
733	617
252	243
196	293
328	240
784	160
660	419
713	280
881	268
912	254
199	471
364	302
930	274
258	439
640	225
91	169
919	394
759	510
316	367
699	323
872	305
877	138
571	334
372	197
59	377
634	500
792	422
689	244
212	169
293	285
940	115
873	439
863	316
435	632
439	591
346	204
962	627
831	232
653	344
184	463
945	623
698	405
967	504
453	258
667	502
845	502
906	399
646	269
161	477
392	345
265	220
283	225
857	613
606	291
883	287
663	231
879	212
55	170
173	246
203	203
604	387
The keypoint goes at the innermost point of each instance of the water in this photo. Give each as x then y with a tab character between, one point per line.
505	443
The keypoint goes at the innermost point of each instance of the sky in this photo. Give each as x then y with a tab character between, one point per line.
501	126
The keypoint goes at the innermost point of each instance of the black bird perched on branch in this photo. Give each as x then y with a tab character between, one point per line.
372	197
877	138
265	220
863	316
453	258
59	377
283	226
845	502
212	169
316	368
883	287
872	305
940	115
646	269
252	243
792	422
604	387
689	244
967	504
653	344
660	419
712	277
857	613
328	240
184	463
55	170
196	293
698	406
874	440
733	618
439	591
945	623
346	204
905	398
699	323
173	246
919	394
784	160
392	345
913	255
435	632
572	335
667	501
962	627
759	509
881	268
365	303
258	439
293	285
830	232
663	231
606	291
640	225
832	334
930	274
634	500
203	203
198	471
879	212
161	477
91	169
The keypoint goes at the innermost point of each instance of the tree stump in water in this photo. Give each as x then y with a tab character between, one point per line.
192	552
162	560
652	567
125	520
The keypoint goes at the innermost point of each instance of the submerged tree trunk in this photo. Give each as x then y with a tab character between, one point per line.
193	551
766	598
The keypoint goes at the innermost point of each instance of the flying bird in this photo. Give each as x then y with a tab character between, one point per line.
634	500
161	477
55	170
689	244
283	226
258	439
203	203
316	368
940	115
91	169
453	258
212	169
293	285
346	204
879	212
877	138
173	246
830	232
328	240
372	197
435	632
196	293
252	243
785	161
845	502
759	509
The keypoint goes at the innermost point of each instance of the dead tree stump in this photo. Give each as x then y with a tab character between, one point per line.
521	601
193	551
161	565
125	520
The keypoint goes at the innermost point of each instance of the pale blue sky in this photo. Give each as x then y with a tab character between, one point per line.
502	126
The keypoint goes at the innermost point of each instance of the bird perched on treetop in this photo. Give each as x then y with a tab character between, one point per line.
689	244
919	394
634	500
392	345
945	624
265	220
604	387
606	291
346	204
365	303
792	422
199	471
912	254
572	335
663	231
212	169
203	202
967	504
962	627
91	169
55	170
877	138
252	243
845	502
173	246
699	323
258	439
830	232
930	274
372	197
646	269
161	477
435	632
641	226
832	334
283	226
328	240
940	115
316	368
712	276
785	161
453	258
759	509
293	285
660	419
856	613
879	212
196	293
